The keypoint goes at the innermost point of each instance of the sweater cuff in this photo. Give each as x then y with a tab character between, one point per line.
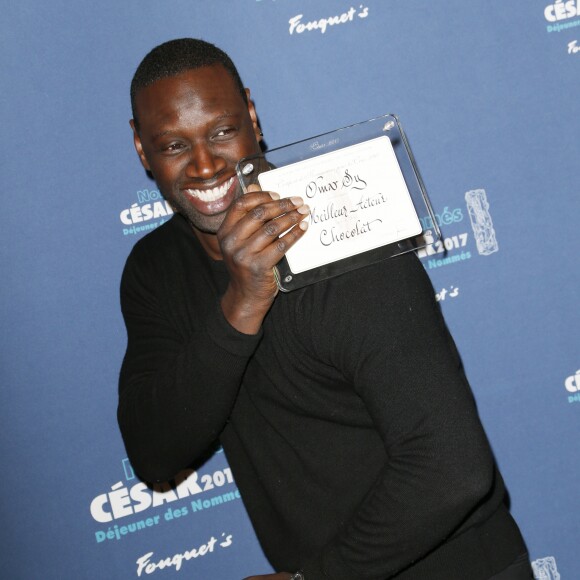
225	336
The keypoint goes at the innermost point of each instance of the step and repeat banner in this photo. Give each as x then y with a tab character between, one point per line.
488	93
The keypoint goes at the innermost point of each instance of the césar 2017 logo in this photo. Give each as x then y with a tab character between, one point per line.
561	10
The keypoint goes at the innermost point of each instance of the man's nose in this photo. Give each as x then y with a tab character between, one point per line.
204	163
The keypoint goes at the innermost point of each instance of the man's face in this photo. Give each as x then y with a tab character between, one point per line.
193	129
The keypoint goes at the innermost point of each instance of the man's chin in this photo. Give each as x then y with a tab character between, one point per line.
205	224
201	215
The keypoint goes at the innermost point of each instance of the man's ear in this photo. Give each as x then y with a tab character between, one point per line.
254	117
139	146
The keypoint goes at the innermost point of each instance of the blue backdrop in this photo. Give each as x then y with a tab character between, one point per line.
488	95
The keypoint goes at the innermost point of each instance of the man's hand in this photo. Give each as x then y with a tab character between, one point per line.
279	576
251	244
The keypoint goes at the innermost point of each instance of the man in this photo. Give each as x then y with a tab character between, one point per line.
341	407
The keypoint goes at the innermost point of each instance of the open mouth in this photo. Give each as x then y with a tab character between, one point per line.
214	194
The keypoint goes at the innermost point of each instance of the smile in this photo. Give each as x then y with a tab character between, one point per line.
209	195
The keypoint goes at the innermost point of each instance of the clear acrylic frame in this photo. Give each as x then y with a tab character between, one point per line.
366	197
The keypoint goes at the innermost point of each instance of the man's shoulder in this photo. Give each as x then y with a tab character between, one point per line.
161	235
166	238
383	286
391	274
158	250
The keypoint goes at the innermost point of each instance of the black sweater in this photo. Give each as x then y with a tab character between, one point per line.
347	421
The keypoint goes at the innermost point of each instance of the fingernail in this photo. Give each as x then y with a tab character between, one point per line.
303	209
274	195
298	201
303	225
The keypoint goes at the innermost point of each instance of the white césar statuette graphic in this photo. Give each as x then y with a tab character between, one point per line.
481	222
545	569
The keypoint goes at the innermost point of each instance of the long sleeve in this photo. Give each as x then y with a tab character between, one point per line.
183	365
394	347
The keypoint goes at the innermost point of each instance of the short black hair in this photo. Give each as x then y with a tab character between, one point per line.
178	56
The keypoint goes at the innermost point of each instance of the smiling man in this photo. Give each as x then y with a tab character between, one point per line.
190	129
355	442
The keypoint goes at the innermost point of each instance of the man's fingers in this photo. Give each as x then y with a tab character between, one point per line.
275	209
255	187
274	246
269	242
256	231
271	229
250	211
247	203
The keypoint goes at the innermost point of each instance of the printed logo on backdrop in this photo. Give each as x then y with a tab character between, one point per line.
572	384
447	294
322	23
300	23
574	47
137	508
147	213
545	569
459	244
132	507
150	563
562	15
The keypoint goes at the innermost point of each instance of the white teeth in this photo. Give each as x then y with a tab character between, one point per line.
214	194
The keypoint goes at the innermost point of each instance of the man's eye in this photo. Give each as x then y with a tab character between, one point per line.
173	147
225	132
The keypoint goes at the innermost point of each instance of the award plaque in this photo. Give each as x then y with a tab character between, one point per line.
365	196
